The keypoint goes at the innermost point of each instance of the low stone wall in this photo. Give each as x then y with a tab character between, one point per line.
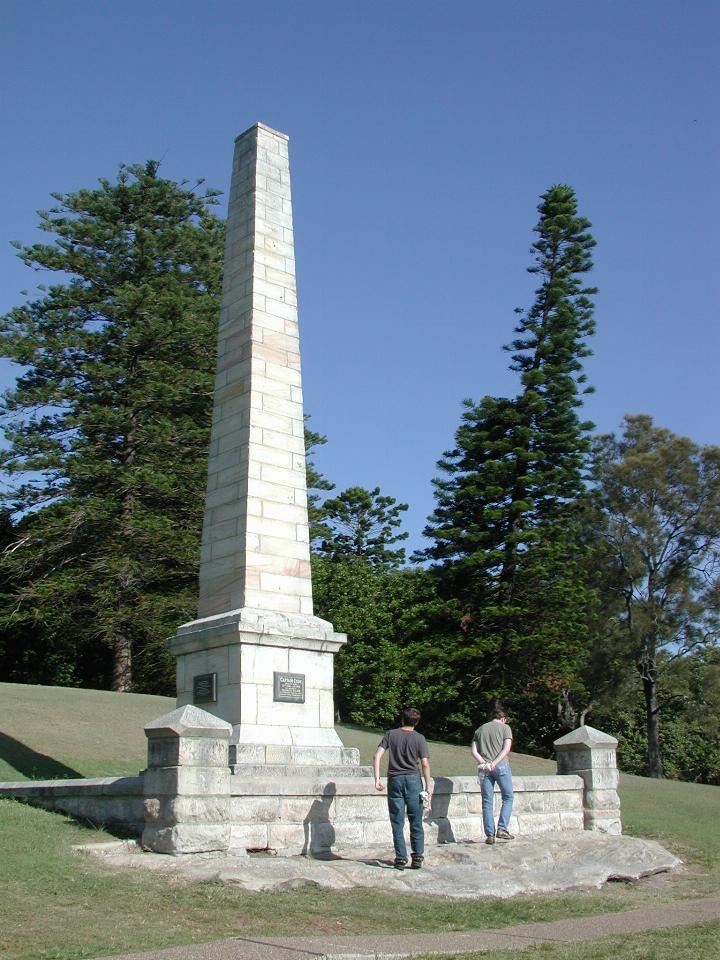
187	801
116	802
296	816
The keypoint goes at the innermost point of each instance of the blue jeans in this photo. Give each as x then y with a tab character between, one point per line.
502	775
404	796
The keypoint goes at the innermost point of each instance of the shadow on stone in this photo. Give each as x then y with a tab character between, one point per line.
319	831
438	814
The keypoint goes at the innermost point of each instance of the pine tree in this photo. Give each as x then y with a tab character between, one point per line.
504	536
362	524
315	482
108	424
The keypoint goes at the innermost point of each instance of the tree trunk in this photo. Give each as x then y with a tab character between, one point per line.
123	644
122	664
652	714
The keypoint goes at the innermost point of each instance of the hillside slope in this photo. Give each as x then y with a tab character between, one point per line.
60	732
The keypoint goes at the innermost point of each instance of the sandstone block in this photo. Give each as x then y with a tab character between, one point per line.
441	830
173	810
602	800
186	838
186	751
361	808
530	824
572	820
247	753
248	836
187	781
255	809
287	836
304	809
603	824
347	835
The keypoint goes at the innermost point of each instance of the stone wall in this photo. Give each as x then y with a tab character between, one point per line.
295	816
304	817
116	802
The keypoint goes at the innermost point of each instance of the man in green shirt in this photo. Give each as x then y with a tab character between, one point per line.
490	746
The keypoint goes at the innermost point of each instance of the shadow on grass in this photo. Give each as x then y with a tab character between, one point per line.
34	765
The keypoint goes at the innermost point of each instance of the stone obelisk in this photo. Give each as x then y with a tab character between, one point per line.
256	656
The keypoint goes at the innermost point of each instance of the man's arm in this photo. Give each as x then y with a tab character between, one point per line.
377	757
476	753
425	764
507	747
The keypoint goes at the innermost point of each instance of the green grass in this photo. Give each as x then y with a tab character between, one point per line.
695	941
62	905
60	732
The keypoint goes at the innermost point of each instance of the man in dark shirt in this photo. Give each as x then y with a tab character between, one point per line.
406	749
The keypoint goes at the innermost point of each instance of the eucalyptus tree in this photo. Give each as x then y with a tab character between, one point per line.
660	497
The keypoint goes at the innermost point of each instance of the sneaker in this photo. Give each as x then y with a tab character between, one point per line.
399	863
504	835
416	862
490	838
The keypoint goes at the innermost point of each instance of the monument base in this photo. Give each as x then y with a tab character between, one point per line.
270	675
290	759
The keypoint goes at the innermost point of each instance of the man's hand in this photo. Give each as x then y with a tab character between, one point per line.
379	784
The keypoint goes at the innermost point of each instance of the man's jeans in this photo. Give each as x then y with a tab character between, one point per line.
502	775
404	795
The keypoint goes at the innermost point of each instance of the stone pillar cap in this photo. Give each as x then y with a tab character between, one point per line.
188	721
586	737
262	126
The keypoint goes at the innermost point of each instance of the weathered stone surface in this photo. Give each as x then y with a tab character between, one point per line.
591	754
187	781
597	800
469	870
603	823
186	751
173	810
186	838
188	721
254	809
248	836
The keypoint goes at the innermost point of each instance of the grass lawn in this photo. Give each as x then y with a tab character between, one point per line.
62	905
698	940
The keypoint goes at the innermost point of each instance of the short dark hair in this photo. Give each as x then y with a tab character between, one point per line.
410	717
496	710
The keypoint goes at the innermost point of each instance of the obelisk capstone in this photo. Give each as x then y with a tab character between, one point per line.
256	656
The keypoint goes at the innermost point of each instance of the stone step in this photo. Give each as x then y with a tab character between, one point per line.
277	771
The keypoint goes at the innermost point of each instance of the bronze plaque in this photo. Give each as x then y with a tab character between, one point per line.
289	687
205	688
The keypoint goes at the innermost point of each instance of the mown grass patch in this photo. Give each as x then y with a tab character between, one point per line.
61	905
60	732
697	941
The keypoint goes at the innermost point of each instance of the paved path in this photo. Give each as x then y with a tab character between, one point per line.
507	938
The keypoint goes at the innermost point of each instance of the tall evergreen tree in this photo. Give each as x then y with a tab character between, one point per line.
503	532
316	482
108	424
363	524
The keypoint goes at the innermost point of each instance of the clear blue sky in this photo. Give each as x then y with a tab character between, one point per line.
421	135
